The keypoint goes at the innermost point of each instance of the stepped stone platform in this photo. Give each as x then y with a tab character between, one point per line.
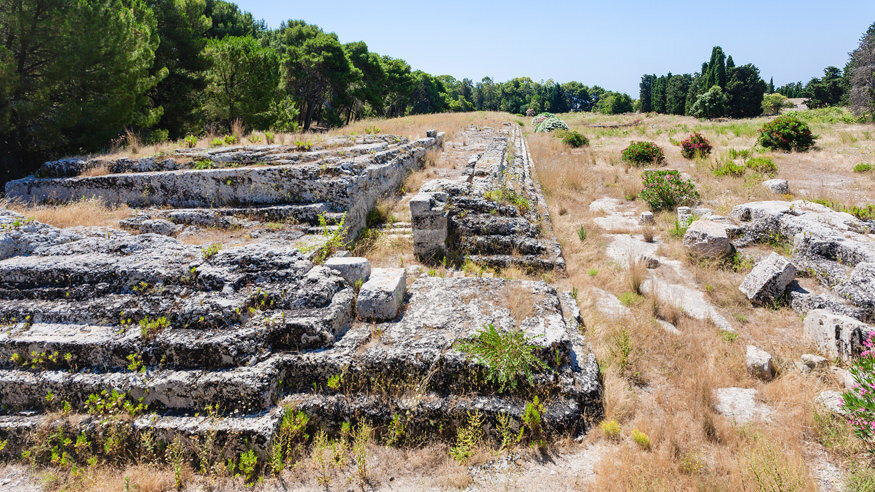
494	214
252	332
339	176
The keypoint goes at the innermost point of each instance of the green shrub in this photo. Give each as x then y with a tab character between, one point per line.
573	138
762	165
268	137
611	428
641	439
862	167
729	168
507	355
217	142
695	145
190	141
665	190
550	124
643	153
229	139
537	120
786	133
509	196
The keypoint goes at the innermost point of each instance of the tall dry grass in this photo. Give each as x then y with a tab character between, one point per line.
85	212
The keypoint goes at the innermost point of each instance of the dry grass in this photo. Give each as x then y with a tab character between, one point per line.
88	212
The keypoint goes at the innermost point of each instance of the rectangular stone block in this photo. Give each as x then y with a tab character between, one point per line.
350	268
380	298
836	335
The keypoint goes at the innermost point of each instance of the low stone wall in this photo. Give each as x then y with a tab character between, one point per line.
494	215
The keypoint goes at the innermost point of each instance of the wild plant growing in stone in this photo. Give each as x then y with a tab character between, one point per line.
507	355
468	438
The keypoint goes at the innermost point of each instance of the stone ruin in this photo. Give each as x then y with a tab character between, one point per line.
493	213
339	177
830	277
220	343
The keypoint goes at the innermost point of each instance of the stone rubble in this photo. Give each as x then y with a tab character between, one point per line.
760	364
768	280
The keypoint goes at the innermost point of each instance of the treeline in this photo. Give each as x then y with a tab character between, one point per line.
720	89
76	75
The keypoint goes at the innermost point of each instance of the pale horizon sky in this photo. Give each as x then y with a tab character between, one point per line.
610	44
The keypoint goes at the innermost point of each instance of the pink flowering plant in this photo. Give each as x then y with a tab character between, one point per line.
666	189
695	145
786	133
859	402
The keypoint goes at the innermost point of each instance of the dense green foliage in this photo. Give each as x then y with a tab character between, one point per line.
695	146
665	190
859	402
643	154
509	356
740	90
573	138
786	133
548	123
774	102
77	75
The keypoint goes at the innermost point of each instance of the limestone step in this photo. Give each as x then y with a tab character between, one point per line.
241	390
504	245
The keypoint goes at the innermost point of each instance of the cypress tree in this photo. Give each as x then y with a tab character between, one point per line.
646	94
771	85
730	63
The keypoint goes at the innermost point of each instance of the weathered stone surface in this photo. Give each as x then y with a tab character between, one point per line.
760	364
143	224
777	186
830	401
827	245
740	405
691	300
380	298
836	335
473	216
769	279
647	218
352	269
813	362
707	239
345	180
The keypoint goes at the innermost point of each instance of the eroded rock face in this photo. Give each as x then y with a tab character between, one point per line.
708	239
836	335
777	186
769	279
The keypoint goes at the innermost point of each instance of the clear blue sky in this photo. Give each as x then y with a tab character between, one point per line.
608	43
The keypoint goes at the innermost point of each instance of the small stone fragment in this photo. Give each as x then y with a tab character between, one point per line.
814	362
769	279
380	298
351	268
760	364
777	186
708	239
647	218
831	401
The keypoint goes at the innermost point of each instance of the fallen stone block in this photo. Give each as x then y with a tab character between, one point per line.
836	335
351	268
708	239
777	186
647	218
769	279
380	298
760	364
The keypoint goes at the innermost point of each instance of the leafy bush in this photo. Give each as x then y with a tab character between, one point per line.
550	124
190	141
711	104
611	428
665	190
217	142
643	153
641	439
762	165
695	145
540	118
773	103
507	355
862	167
573	138
786	133
729	168
229	139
